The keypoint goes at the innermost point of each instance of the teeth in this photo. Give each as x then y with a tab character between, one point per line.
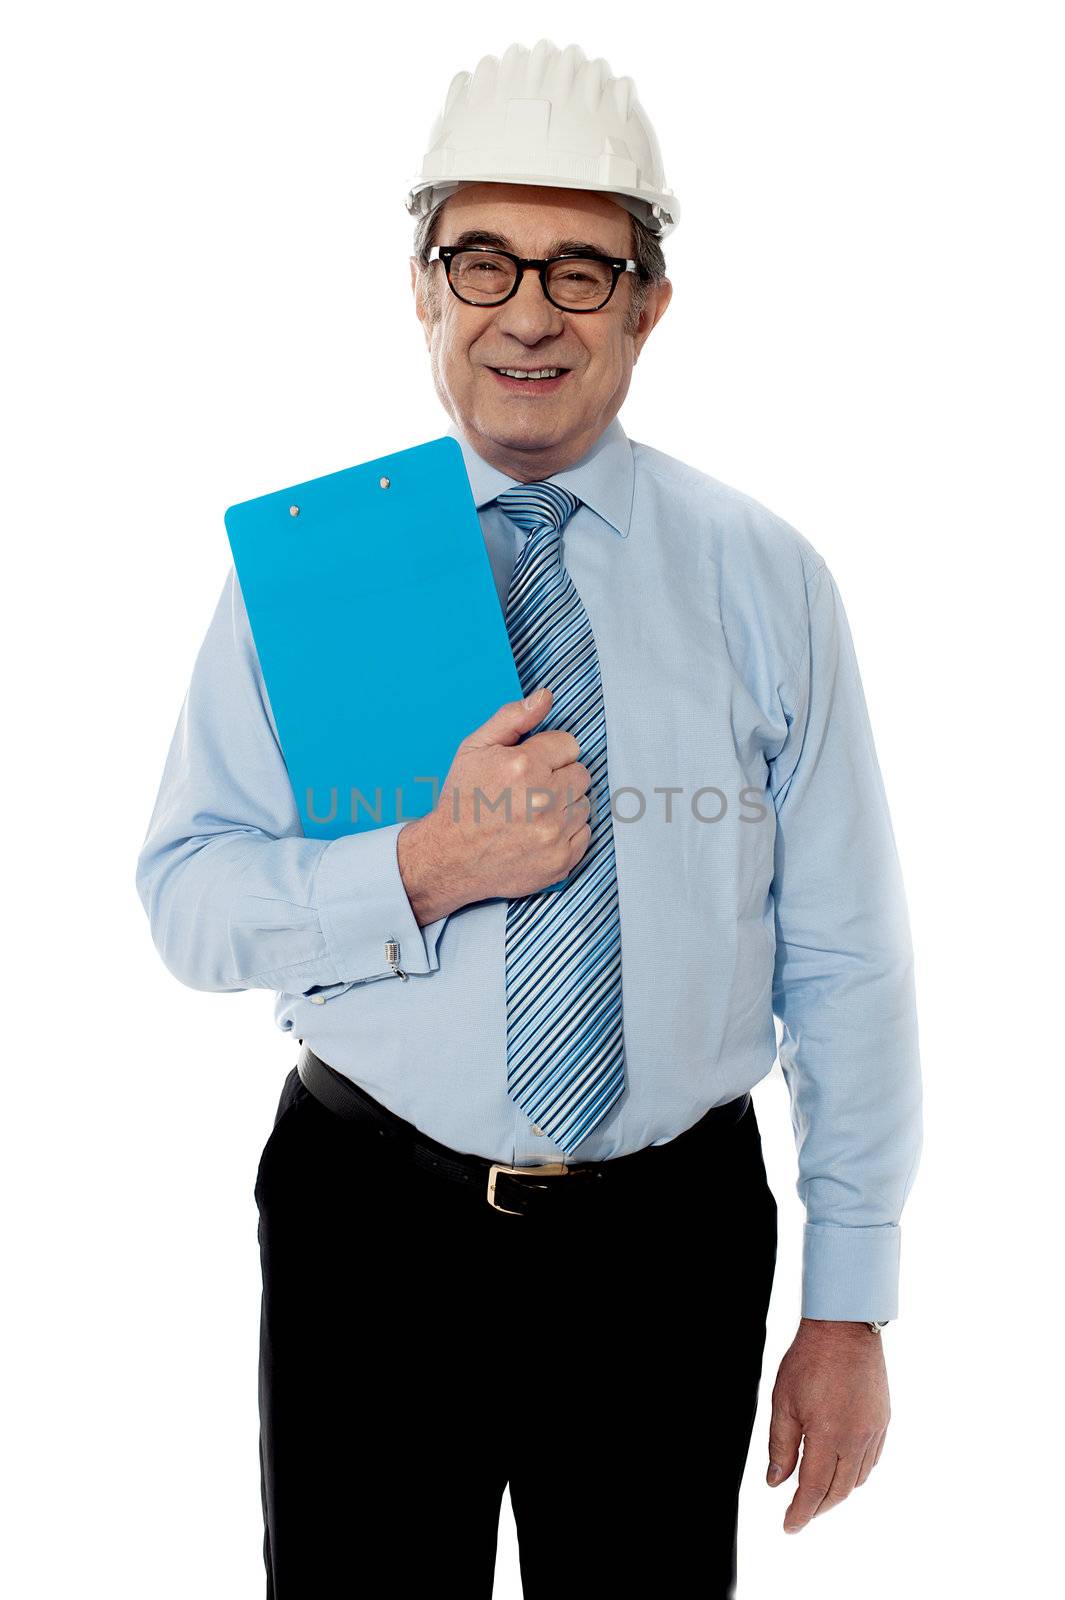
545	372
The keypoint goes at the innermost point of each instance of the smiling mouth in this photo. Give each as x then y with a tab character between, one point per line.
542	379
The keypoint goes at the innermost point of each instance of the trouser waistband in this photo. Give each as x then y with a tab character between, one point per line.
523	1191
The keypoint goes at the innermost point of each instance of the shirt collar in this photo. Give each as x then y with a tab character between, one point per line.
603	479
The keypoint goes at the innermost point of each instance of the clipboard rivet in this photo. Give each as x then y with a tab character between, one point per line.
385	482
293	511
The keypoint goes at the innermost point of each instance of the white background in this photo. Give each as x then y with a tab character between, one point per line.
207	298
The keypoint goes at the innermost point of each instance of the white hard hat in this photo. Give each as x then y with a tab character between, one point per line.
547	116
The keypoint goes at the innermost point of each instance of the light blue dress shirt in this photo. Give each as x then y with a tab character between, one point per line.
756	864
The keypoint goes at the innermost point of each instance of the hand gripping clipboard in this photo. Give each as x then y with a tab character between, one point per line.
378	629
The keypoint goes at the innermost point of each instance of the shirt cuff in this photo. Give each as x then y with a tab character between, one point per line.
362	904
850	1274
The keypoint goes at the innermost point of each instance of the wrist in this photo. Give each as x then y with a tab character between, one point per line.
826	1327
432	880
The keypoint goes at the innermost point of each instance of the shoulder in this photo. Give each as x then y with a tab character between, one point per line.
742	534
762	573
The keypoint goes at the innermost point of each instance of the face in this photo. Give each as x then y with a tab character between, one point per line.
529	428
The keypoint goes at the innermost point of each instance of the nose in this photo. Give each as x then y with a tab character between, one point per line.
529	314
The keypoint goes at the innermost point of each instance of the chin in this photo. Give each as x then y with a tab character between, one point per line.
517	430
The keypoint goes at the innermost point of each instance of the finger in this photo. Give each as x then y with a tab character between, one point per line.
573	776
843	1480
559	748
785	1436
867	1465
816	1471
577	814
880	1447
870	1459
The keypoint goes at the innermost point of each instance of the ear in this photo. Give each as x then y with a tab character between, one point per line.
654	308
418	306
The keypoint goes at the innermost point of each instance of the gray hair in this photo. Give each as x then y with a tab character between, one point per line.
644	249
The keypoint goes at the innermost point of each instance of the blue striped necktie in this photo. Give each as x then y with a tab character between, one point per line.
565	1048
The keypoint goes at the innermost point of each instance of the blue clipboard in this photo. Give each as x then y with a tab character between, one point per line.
379	633
378	628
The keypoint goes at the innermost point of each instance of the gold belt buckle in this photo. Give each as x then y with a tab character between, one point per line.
553	1168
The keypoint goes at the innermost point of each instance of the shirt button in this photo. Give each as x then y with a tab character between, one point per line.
540	1131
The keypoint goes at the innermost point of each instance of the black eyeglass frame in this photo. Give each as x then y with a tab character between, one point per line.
445	253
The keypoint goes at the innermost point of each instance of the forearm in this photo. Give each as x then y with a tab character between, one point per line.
242	911
849	1055
234	911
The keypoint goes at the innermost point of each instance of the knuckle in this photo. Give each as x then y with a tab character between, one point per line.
814	1493
545	831
815	1489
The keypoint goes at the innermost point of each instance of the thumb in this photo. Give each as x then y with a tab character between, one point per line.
513	718
785	1436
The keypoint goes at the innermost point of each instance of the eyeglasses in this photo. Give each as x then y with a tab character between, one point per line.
490	277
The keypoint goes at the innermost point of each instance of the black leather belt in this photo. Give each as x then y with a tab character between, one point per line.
522	1191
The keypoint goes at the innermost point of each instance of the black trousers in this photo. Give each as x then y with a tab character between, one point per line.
420	1351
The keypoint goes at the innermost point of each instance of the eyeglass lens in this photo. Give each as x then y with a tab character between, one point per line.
483	277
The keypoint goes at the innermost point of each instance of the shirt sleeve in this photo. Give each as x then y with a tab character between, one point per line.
843	980
237	897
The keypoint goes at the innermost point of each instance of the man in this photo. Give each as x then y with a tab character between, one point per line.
514	1220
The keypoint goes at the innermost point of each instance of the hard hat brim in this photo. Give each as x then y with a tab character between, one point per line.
659	213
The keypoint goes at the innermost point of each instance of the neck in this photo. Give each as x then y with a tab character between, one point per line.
527	465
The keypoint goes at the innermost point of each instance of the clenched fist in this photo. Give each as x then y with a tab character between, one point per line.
511	818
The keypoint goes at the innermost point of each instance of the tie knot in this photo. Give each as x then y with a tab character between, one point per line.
538	505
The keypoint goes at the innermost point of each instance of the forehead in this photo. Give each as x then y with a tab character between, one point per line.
535	220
